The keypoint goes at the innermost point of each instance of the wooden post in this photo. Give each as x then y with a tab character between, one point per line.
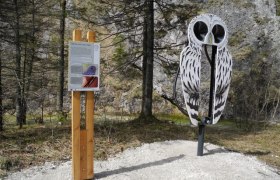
76	120
90	122
83	157
82	140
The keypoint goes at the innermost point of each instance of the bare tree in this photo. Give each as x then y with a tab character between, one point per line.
19	98
1	93
61	66
148	62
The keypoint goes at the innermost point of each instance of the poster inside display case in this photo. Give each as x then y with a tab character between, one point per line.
84	66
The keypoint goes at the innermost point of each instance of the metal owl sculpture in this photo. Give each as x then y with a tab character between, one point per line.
206	29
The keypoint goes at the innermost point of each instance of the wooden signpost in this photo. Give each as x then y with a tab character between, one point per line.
82	139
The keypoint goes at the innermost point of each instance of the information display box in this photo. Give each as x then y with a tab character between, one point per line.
84	66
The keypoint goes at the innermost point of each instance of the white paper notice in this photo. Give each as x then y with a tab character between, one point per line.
84	66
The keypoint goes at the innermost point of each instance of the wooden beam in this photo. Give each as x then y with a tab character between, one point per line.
76	135
76	120
90	123
83	159
91	36
77	35
90	133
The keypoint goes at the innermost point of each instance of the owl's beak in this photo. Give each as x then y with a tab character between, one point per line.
209	39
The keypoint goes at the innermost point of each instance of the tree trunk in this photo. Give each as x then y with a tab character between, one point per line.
29	64
42	99
1	95
144	63
33	45
18	67
23	103
148	65
59	105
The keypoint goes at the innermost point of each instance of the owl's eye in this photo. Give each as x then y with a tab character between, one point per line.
219	33
200	30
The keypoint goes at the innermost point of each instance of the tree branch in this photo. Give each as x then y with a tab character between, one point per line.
175	103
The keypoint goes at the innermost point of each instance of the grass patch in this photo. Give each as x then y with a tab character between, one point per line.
277	7
174	118
36	144
33	145
262	143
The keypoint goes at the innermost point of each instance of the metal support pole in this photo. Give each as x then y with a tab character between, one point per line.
201	130
209	119
212	83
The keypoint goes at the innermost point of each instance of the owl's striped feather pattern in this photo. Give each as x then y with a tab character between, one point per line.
222	82
205	29
190	77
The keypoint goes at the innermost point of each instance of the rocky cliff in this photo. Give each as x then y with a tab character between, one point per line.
254	41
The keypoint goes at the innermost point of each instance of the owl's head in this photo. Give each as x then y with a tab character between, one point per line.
208	29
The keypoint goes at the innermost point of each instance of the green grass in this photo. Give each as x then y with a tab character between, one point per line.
174	118
278	7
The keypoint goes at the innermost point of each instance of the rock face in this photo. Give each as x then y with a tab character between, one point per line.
254	43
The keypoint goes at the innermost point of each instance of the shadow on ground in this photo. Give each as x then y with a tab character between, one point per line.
137	167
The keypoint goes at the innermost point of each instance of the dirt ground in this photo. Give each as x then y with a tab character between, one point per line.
163	160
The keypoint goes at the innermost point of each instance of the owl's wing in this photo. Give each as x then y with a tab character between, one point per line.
222	82
190	78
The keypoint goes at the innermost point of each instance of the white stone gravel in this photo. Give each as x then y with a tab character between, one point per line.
163	160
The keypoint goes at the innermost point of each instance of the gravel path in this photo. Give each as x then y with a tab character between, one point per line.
163	160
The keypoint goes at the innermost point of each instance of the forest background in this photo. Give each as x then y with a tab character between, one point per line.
140	46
